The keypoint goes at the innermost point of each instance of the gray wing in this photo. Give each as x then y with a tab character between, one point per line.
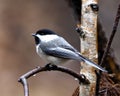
61	53
60	48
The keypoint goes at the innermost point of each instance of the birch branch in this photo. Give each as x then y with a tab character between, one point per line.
89	45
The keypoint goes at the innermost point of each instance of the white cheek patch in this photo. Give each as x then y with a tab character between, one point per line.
46	38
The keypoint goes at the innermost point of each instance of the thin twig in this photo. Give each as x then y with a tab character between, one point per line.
25	85
76	92
49	67
108	47
111	36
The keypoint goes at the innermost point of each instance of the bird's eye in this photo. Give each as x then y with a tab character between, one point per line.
37	40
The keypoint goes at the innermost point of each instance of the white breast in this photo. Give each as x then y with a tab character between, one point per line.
48	58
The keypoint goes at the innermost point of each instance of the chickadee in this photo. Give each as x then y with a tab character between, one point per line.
56	50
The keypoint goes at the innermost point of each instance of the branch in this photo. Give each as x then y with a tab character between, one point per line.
88	44
50	67
111	36
108	47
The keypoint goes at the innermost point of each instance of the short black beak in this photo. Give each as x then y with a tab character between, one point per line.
37	40
33	35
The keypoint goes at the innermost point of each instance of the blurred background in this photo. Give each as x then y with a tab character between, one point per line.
18	20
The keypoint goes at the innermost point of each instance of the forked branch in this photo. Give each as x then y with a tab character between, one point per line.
49	67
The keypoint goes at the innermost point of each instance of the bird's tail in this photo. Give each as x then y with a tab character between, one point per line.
92	63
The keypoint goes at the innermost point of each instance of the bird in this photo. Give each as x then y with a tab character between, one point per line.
56	50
